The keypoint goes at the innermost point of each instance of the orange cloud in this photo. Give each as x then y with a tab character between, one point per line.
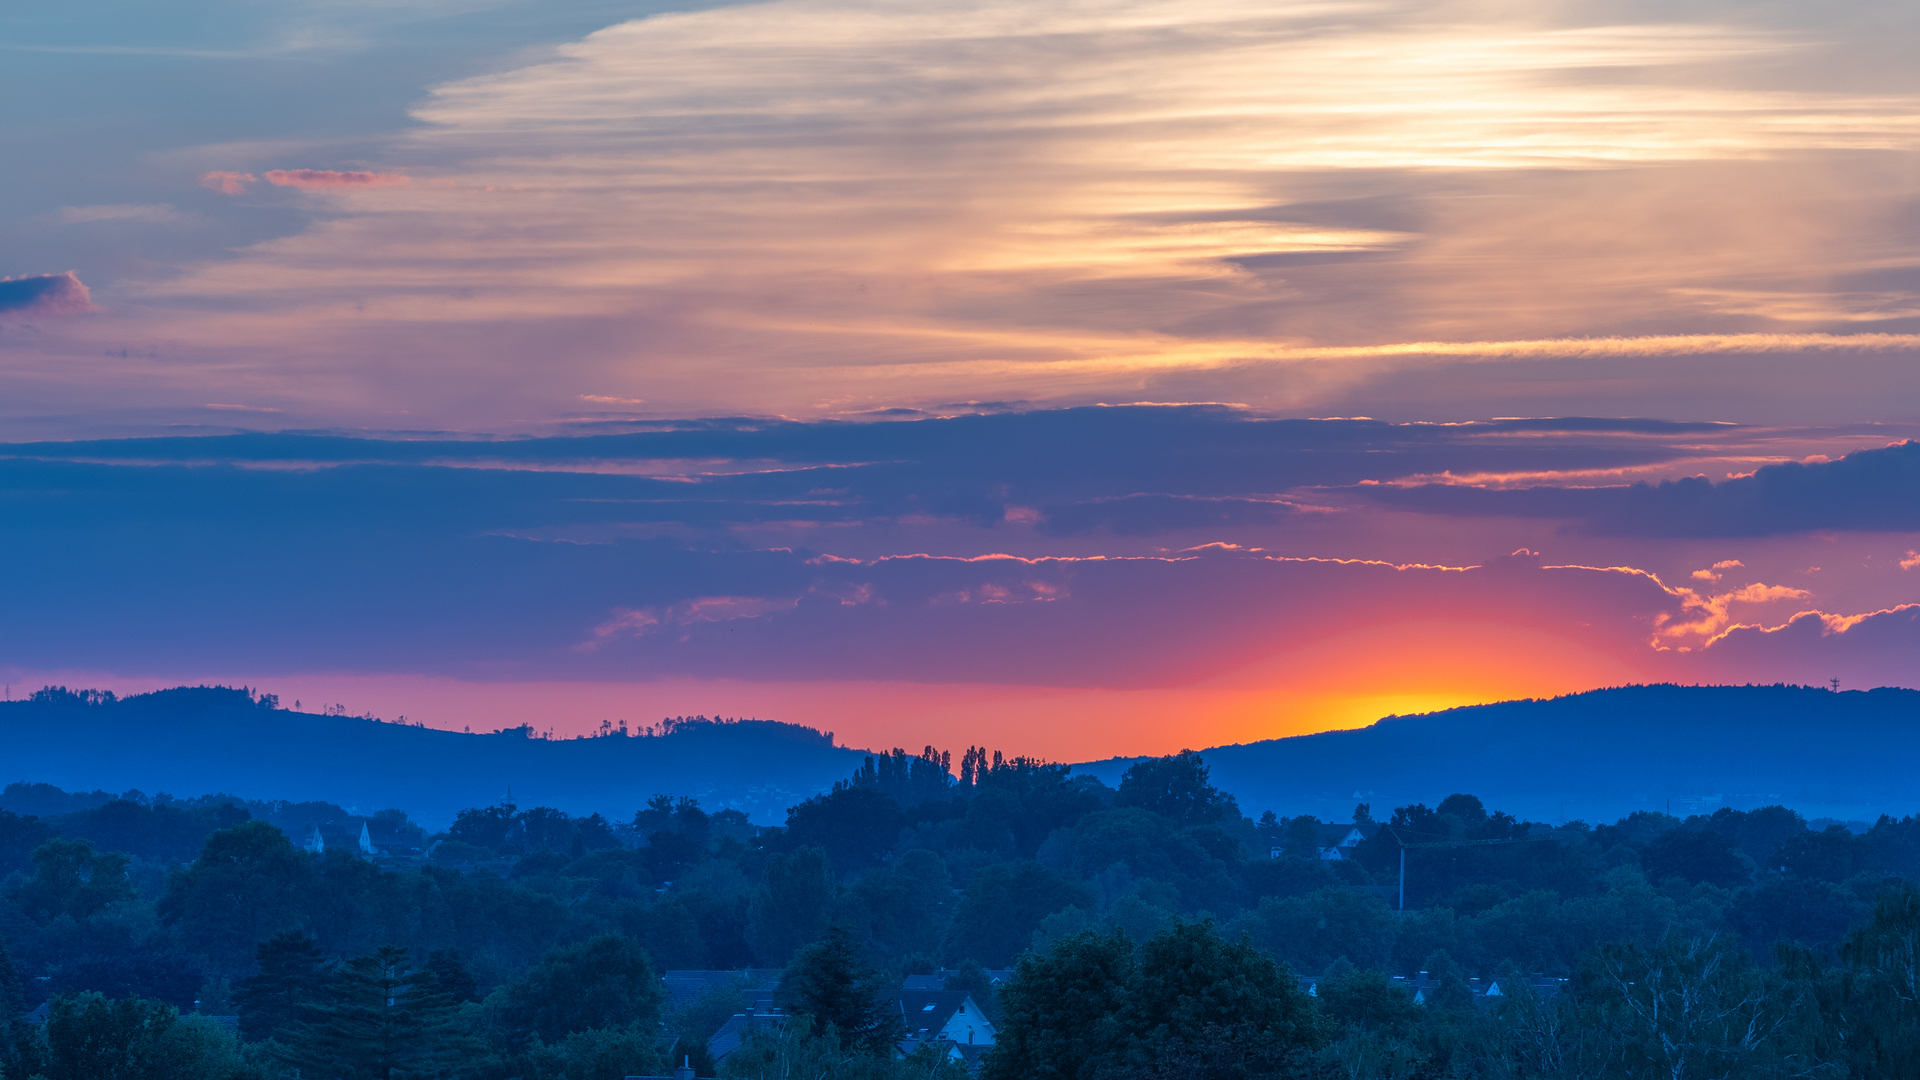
227	183
327	178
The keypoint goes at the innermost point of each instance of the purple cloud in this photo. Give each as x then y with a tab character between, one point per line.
44	294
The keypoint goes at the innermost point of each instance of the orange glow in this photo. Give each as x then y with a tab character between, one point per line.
1343	680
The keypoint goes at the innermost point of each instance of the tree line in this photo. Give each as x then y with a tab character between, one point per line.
529	943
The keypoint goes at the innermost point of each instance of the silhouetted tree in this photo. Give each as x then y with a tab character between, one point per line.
828	982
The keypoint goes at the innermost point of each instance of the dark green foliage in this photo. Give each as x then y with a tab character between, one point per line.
594	1054
1189	1003
1176	788
1833	854
1061	1010
19	836
1874	1004
694	1023
605	982
11	1002
88	1037
1365	998
972	979
451	977
539	961
1194	992
1696	855
161	832
828	982
247	885
377	1019
908	781
291	979
70	879
791	906
492	829
853	824
799	1051
1003	905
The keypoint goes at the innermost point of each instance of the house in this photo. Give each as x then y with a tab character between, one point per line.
997	977
952	1015
738	1027
1338	841
1543	986
314	843
1335	842
947	1018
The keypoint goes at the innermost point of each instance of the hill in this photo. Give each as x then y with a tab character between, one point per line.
199	740
1596	756
1600	755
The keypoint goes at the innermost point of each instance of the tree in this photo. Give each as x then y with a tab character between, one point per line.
70	879
1688	1007
797	1050
493	828
377	1021
1877	1002
291	980
1060	1010
246	886
1175	787
451	977
1195	993
828	982
88	1037
10	998
1696	855
601	983
1004	904
972	978
790	907
855	826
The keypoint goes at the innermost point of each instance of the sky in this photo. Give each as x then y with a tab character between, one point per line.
1077	378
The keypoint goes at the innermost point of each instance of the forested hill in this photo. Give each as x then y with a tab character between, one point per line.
192	741
1602	754
1595	756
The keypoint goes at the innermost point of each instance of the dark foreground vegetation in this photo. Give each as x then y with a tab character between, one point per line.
1154	931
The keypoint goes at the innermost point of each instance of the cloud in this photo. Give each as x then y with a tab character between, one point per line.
1146	515
1123	200
160	214
1870	490
44	294
227	183
1714	572
1865	650
327	178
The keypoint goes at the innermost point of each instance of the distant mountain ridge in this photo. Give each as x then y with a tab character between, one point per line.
1597	756
1600	755
202	740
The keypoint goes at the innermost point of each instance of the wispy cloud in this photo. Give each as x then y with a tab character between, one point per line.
145	213
1119	200
328	178
227	183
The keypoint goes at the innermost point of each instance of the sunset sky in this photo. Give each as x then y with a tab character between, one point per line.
1073	377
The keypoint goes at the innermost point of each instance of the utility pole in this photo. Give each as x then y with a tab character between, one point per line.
1403	876
1836	684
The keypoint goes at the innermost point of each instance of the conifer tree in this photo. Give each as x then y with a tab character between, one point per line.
291	978
378	1020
